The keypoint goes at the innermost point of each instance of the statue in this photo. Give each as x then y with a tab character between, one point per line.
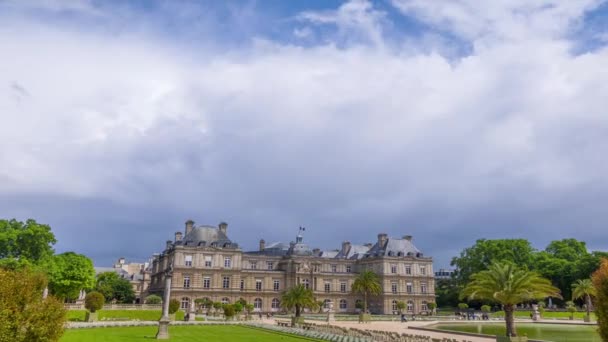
163	323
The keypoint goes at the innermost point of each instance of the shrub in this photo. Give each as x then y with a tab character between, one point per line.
153	299
463	306
432	306
24	315
486	308
238	307
173	306
600	282
229	311
401	306
94	301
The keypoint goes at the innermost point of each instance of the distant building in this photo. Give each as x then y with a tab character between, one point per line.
136	273
206	263
444	274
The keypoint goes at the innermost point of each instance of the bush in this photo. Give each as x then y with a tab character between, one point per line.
94	301
229	311
24	315
486	308
173	306
463	306
600	282
153	299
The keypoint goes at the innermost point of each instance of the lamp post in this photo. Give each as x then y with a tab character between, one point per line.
163	323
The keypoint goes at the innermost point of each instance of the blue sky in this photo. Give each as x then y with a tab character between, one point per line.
446	120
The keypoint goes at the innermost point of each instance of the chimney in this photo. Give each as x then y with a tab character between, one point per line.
345	247
169	243
382	237
262	245
223	226
407	237
178	236
189	226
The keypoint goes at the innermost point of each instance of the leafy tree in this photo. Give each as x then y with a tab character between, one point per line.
298	297
173	306
600	282
114	287
484	252
583	288
29	241
432	306
508	285
249	309
25	315
571	308
69	273
94	301
153	299
401	306
367	283
447	292
238	307
486	308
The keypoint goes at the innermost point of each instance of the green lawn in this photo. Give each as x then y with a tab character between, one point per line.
215	333
579	315
546	332
122	315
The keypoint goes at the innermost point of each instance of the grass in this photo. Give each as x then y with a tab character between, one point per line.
546	332
122	315
579	315
216	333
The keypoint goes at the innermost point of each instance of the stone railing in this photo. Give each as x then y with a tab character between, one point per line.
118	306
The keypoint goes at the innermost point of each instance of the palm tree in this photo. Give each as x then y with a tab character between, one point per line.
367	283
584	288
298	297
509	286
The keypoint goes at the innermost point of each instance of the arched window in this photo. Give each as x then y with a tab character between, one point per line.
410	306
225	300
424	306
257	304
343	304
185	303
276	304
394	305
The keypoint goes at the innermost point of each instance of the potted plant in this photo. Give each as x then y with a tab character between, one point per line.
229	311
432	306
93	302
366	283
401	306
298	298
248	311
571	308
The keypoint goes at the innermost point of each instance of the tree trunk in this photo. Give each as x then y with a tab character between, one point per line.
297	311
588	300
365	302
509	313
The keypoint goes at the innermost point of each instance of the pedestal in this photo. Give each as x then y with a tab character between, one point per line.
163	329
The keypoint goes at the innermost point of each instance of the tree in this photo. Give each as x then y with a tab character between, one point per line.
229	311
367	283
432	306
114	287
600	282
69	273
484	252
401	306
94	301
153	299
583	288
24	314
508	285
571	308
29	241
298	297
447	292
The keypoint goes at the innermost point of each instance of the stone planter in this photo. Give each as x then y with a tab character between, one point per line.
297	321
365	318
91	317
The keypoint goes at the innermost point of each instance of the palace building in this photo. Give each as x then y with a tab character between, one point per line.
206	263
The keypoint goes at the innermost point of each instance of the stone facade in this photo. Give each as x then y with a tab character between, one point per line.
207	264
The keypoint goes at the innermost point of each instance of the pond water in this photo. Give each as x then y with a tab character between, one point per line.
546	332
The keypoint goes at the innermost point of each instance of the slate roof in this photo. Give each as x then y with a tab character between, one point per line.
208	236
395	247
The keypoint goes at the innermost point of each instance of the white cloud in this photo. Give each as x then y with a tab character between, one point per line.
281	133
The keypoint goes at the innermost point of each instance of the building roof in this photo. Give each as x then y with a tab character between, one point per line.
208	236
395	247
354	252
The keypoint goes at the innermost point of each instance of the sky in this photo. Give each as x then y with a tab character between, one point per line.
448	120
